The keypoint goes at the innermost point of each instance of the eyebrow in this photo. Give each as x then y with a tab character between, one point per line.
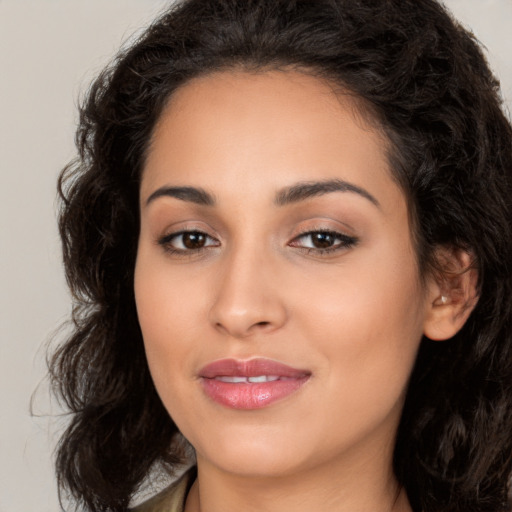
190	194
294	194
309	189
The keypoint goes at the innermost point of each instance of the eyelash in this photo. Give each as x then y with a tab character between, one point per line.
345	242
166	240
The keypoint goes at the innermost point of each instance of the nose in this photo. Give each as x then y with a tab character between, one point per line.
249	298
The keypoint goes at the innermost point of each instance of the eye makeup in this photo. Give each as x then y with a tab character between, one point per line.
318	242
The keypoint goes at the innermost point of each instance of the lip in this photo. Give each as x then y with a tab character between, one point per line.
250	395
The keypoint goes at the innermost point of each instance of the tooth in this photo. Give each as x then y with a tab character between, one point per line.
255	380
263	378
234	380
260	378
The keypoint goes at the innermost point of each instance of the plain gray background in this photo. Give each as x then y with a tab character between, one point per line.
49	51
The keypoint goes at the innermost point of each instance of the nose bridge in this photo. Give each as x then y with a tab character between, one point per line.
247	298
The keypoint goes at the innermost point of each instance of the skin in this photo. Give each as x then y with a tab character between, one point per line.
353	317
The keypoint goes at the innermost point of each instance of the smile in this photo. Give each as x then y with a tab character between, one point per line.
252	384
259	378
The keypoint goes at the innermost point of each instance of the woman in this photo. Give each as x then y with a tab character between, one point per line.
288	234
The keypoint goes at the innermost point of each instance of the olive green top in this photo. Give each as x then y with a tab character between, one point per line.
172	498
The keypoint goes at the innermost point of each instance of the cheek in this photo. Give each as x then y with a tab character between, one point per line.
166	317
365	328
365	293
167	298
366	321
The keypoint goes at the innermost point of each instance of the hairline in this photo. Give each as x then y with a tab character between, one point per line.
362	110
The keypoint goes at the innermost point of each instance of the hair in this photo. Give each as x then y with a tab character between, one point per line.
428	86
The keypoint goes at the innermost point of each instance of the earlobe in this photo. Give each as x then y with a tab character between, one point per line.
453	294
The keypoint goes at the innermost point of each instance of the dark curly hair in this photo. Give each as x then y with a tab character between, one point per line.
425	82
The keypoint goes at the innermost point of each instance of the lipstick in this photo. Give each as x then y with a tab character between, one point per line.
251	384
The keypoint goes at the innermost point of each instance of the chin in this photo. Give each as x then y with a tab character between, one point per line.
254	464
257	454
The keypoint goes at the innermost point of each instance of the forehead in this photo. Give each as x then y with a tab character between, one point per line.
238	131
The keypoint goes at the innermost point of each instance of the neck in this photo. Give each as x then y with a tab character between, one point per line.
353	488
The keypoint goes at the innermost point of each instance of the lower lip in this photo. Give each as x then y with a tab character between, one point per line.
250	395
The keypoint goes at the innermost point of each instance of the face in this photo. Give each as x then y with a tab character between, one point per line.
276	281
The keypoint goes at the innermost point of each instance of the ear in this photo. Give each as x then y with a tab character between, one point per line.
452	293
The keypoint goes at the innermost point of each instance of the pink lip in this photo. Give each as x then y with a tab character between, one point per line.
250	395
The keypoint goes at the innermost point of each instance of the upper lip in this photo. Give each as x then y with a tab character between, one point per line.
250	368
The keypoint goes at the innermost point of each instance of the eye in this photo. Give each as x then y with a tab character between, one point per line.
323	241
187	241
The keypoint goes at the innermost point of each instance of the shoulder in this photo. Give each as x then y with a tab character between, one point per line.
172	498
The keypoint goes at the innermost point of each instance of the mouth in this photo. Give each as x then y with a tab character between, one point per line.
252	384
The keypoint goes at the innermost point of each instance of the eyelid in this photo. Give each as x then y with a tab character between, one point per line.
340	240
167	238
166	231
345	241
165	242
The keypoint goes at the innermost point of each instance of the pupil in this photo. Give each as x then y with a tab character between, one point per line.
322	240
193	240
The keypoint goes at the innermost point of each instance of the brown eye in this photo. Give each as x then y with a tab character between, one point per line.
187	241
194	240
322	240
